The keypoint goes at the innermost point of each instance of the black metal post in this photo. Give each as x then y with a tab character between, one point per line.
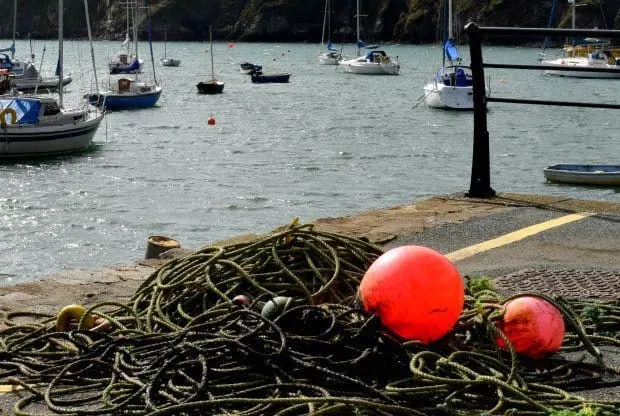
480	184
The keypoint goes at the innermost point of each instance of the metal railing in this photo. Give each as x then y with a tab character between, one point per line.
480	184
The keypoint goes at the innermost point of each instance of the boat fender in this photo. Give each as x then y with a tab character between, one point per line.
11	113
74	313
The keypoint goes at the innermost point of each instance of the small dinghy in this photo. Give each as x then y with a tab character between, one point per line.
584	174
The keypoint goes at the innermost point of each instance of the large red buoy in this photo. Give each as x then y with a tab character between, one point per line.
211	121
534	327
416	291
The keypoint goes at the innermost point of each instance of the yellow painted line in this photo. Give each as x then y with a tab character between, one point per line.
515	236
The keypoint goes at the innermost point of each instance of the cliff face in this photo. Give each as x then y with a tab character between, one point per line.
404	21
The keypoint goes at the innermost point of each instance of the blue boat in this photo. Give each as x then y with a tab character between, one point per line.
128	94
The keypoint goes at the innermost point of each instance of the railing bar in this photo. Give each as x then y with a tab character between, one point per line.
540	32
550	67
551	102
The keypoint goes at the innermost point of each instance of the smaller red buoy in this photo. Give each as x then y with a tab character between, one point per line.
230	45
534	327
211	121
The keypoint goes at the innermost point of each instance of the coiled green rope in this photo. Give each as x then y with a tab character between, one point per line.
186	344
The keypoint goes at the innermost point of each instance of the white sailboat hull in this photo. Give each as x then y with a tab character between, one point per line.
360	66
330	58
581	62
438	95
46	140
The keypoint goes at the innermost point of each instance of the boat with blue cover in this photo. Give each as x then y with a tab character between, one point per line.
452	87
41	126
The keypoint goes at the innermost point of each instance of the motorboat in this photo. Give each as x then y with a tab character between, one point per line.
583	174
247	67
259	77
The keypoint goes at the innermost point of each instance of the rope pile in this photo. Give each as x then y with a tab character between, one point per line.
272	327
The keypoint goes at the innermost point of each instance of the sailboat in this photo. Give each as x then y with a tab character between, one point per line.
165	61
130	93
373	61
41	126
13	65
213	86
127	61
332	56
452	87
584	53
25	76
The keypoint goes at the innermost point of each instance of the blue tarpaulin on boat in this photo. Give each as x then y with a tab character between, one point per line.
331	47
26	110
452	52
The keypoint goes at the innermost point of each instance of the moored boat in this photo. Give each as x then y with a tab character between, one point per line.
584	174
212	86
38	126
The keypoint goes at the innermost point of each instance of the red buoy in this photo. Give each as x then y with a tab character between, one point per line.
534	327
416	291
211	121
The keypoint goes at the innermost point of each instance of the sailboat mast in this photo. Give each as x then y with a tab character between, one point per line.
149	28
165	42
14	27
358	26
60	49
324	20
211	49
90	42
127	30
134	19
450	35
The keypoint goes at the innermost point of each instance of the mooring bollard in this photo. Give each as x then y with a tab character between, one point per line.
158	244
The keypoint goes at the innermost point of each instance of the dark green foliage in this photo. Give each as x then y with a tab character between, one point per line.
405	21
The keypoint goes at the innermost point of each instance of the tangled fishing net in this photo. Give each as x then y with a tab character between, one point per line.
273	327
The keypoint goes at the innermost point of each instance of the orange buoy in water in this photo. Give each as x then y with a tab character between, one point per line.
534	327
416	291
211	121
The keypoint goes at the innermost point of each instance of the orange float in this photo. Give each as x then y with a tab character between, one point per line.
416	291
534	327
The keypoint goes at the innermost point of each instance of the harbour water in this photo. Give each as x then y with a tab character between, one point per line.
326	144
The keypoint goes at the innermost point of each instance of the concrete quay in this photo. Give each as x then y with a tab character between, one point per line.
514	238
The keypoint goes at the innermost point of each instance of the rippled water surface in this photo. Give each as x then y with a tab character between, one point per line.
327	144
